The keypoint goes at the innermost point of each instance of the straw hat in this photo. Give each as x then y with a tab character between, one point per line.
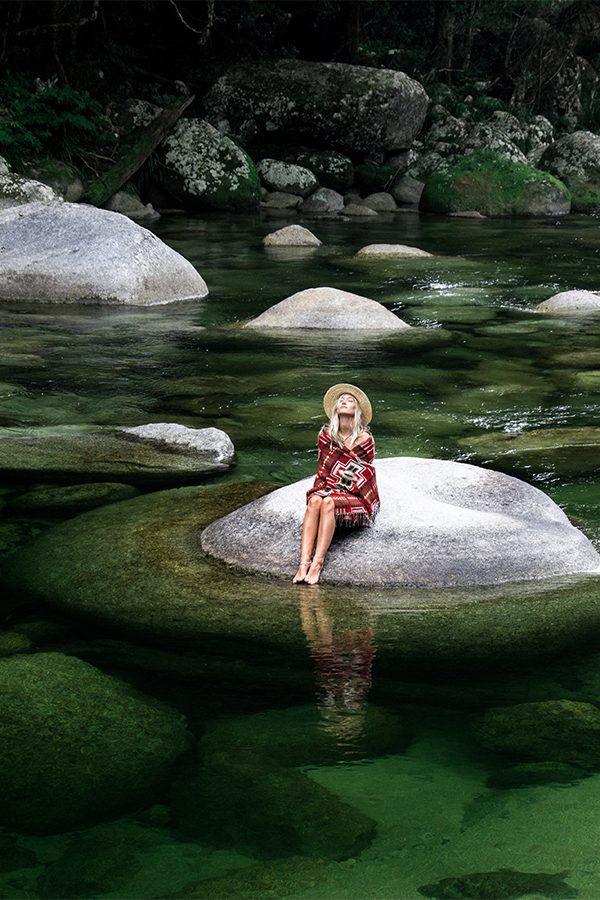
334	393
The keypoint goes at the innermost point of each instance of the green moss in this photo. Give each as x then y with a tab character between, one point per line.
13	642
585	195
494	186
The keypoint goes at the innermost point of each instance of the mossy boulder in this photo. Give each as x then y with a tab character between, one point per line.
575	159
564	731
493	186
17	190
142	453
64	179
78	745
204	169
352	109
330	168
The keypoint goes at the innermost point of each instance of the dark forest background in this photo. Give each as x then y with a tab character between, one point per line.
63	63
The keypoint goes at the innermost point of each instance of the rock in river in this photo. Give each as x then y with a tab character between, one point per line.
77	744
441	524
160	450
326	307
391	251
138	565
291	236
67	253
570	303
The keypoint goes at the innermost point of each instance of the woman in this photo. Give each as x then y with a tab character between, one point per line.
345	489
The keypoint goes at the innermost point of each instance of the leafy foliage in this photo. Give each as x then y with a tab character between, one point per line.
45	118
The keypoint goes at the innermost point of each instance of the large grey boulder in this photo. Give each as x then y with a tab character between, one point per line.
352	109
326	307
291	236
441	524
77	744
571	303
286	177
70	253
158	450
16	190
203	168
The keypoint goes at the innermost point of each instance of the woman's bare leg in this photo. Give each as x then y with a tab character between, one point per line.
310	529
324	535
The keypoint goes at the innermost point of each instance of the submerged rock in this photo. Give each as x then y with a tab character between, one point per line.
291	236
76	744
486	183
130	205
281	201
205	169
71	499
535	773
564	731
502	884
355	109
569	451
50	254
570	303
328	308
160	450
277	878
441	524
400	251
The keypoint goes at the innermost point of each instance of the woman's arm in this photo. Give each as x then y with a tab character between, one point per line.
320	482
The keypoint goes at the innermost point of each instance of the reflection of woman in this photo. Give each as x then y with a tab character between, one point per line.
345	488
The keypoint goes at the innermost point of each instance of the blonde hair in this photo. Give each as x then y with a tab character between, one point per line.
334	424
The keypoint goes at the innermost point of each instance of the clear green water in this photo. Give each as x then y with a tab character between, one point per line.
399	751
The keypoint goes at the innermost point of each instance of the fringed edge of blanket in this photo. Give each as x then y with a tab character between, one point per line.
356	518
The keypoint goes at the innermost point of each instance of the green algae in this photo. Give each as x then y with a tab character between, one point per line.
494	186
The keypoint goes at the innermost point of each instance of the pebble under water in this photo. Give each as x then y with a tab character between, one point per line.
336	765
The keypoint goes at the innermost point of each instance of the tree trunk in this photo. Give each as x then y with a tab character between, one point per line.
349	28
442	54
103	187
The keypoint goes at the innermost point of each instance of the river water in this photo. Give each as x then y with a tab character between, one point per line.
395	743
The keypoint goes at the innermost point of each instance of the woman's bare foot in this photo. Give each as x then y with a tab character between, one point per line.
314	573
302	571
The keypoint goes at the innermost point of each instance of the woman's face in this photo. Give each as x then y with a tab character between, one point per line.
346	405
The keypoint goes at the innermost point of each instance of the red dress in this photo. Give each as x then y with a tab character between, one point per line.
348	477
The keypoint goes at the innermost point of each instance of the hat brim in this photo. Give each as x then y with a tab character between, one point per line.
334	393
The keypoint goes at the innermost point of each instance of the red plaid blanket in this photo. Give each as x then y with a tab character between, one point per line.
348	476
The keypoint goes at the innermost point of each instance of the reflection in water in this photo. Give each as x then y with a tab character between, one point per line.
343	667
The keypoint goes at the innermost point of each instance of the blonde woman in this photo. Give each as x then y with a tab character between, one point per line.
345	490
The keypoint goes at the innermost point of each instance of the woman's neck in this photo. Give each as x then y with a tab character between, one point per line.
346	425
